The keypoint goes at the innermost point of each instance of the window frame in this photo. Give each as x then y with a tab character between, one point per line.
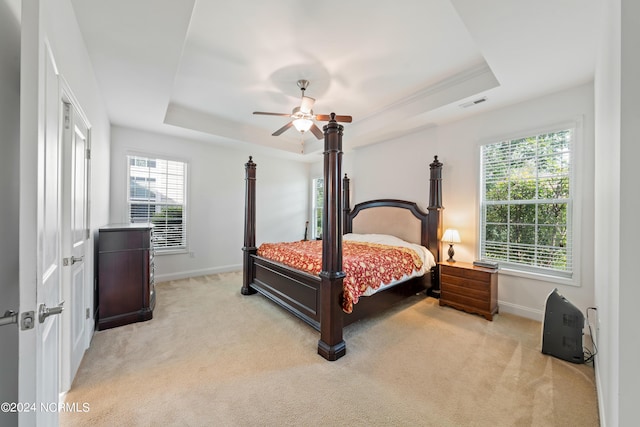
575	191
161	250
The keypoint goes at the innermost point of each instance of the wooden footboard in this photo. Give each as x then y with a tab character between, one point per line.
294	290
299	292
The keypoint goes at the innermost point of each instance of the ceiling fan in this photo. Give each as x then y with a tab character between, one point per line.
303	115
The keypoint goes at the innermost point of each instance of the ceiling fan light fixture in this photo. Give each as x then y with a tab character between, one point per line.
302	125
303	116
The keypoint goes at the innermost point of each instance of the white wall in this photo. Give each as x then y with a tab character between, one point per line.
607	213
400	169
629	208
216	188
9	195
617	228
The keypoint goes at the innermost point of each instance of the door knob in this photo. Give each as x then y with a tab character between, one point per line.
44	311
71	260
9	317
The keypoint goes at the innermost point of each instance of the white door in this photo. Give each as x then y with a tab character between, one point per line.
75	235
40	257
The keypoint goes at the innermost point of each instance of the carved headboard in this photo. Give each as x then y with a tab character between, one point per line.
398	218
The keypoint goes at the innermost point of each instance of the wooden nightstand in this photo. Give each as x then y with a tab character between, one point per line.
469	288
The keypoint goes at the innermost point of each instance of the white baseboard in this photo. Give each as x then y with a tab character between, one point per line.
593	329
520	310
195	273
601	407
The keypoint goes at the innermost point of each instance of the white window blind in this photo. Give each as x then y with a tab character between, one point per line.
526	203
157	194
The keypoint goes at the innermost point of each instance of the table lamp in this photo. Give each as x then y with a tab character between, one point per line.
451	236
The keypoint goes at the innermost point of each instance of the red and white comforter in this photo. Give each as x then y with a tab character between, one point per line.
369	261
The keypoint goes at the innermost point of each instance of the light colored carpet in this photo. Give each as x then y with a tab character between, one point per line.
213	357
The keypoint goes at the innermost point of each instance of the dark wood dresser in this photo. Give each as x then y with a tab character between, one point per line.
469	288
125	288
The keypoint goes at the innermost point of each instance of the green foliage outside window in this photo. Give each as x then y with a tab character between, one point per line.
168	215
168	227
318	194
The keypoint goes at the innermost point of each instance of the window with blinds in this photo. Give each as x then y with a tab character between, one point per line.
526	203
157	194
318	206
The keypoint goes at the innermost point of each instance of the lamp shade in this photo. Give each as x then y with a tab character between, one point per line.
302	125
451	235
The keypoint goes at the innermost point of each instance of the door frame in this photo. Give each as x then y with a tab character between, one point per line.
83	308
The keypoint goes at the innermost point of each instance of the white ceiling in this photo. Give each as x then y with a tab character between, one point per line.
199	68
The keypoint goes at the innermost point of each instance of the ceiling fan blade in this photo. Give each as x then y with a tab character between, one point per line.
327	117
307	104
282	129
272	114
316	131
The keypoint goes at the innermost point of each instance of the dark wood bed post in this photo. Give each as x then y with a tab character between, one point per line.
435	219
331	346
249	247
346	205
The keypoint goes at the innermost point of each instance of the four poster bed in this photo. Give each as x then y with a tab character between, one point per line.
324	294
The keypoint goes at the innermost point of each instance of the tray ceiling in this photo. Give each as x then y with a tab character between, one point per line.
200	68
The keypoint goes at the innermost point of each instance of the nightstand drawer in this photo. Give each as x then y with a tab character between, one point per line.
469	288
465	301
474	290
482	276
470	284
